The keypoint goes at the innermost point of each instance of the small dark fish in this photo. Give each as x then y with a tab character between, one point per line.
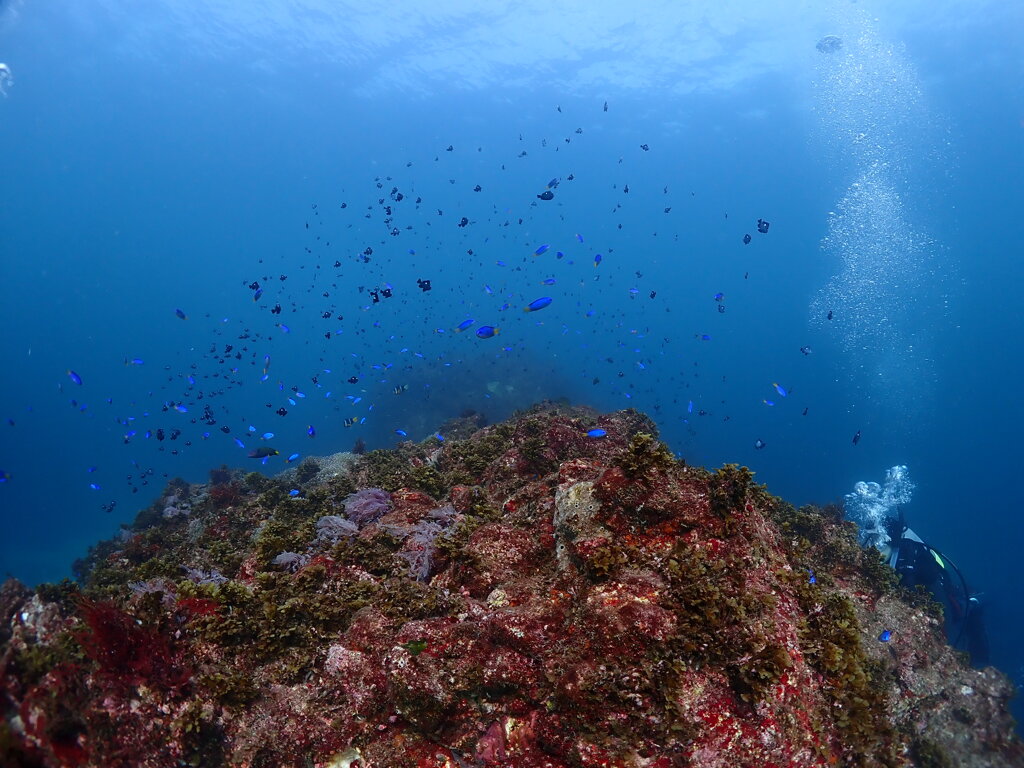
263	452
806	350
401	388
762	226
746	239
856	438
759	444
830	314
353	380
546	195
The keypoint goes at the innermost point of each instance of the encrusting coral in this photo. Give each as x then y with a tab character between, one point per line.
521	594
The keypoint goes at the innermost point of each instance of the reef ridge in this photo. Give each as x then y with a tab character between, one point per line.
519	594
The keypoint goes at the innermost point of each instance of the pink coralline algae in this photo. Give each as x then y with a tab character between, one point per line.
521	596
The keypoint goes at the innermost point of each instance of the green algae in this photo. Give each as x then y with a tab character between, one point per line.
645	455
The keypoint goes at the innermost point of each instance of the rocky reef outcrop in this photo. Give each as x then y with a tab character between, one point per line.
522	594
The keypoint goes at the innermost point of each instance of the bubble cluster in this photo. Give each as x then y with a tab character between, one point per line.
873	507
869	102
6	78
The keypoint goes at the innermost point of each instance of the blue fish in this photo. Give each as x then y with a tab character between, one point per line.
311	431
768	402
74	377
401	432
779	389
463	325
94	486
579	237
596	433
439	437
885	636
256	296
486	332
239	443
133	361
597	259
548	281
292	458
267	435
4	476
541	249
536	304
812	579
181	315
293	492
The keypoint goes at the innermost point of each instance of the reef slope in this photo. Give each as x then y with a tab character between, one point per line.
521	594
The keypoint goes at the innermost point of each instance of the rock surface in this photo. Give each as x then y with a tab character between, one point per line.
524	595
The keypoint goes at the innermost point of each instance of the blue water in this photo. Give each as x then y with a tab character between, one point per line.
168	155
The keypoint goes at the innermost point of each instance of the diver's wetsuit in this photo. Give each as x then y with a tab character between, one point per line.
919	564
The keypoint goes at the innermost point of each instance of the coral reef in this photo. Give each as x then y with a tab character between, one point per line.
521	594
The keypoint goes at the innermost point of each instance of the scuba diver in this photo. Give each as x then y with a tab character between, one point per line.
877	511
921	565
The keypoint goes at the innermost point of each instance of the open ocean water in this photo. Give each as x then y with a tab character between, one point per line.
216	220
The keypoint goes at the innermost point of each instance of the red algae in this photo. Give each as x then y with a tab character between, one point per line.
587	603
